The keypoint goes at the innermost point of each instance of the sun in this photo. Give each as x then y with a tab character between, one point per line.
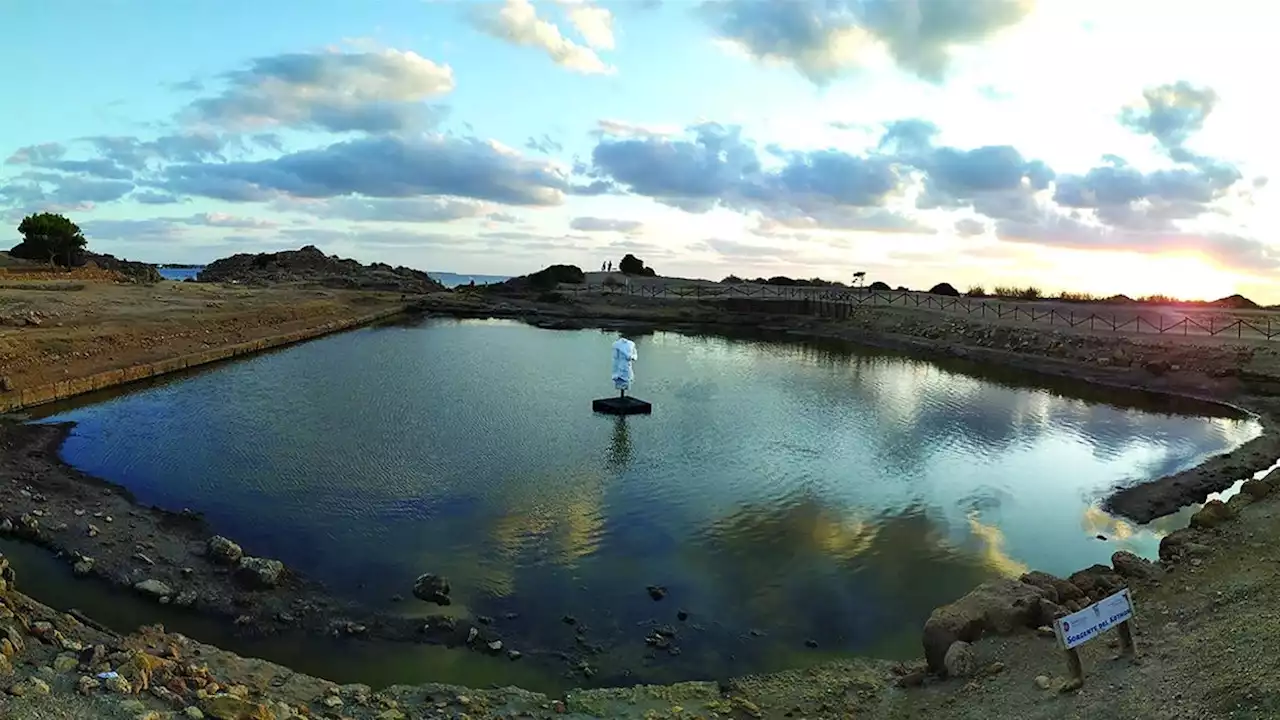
1181	276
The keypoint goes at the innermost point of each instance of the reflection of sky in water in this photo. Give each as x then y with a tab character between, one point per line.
805	491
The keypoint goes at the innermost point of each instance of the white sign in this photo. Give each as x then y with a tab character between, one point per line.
1080	627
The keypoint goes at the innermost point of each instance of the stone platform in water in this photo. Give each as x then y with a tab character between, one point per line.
621	406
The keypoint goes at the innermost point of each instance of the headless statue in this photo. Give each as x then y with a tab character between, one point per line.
624	358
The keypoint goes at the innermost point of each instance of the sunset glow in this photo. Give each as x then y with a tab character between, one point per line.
1068	144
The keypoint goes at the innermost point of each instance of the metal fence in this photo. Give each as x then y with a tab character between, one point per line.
841	302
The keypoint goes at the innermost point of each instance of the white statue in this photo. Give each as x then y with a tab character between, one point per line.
624	357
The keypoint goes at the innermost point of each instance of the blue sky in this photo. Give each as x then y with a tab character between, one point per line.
1073	144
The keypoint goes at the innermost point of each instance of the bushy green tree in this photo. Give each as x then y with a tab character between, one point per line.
50	237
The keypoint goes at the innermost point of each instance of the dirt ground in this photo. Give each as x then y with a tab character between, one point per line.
75	326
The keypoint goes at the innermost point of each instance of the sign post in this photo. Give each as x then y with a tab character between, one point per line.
1078	628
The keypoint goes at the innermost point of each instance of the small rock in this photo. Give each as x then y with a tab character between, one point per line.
1043	682
143	559
811	643
472	634
332	701
995	668
259	572
657	592
193	713
83	566
38	686
65	663
154	588
118	684
960	661
496	646
93	530
432	588
87	685
681	615
569	620
514	654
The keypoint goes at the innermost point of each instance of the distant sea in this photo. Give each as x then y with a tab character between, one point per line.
454	279
180	274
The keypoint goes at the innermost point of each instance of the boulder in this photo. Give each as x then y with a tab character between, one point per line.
999	607
222	550
432	588
1256	489
1128	565
1096	582
154	588
959	661
1055	588
1179	543
259	572
1238	502
1213	514
230	707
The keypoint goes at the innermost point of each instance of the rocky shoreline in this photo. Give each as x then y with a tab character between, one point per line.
99	530
174	558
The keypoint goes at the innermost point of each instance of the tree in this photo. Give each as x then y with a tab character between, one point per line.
858	277
51	237
631	265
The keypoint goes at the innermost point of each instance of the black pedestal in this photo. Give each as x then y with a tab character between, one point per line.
626	405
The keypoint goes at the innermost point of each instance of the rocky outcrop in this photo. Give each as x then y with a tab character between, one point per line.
998	607
1213	514
546	279
311	266
133	271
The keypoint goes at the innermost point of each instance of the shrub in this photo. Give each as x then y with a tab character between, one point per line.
732	280
611	281
976	291
879	286
632	265
1073	296
1030	292
944	289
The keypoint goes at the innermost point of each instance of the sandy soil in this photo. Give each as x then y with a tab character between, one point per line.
74	326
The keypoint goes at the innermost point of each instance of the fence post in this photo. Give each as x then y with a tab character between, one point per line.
1211	331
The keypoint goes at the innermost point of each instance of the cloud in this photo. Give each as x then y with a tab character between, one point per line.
379	167
1068	231
44	190
735	248
969	227
714	166
149	197
621	129
37	154
366	209
595	224
593	23
1171	113
374	92
224	220
517	22
544	145
823	39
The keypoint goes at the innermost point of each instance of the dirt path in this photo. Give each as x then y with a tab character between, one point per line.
56	330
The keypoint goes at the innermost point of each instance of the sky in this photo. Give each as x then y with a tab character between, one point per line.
1085	145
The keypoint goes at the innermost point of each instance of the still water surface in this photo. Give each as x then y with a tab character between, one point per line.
800	491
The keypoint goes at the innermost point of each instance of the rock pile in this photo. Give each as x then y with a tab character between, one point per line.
310	265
